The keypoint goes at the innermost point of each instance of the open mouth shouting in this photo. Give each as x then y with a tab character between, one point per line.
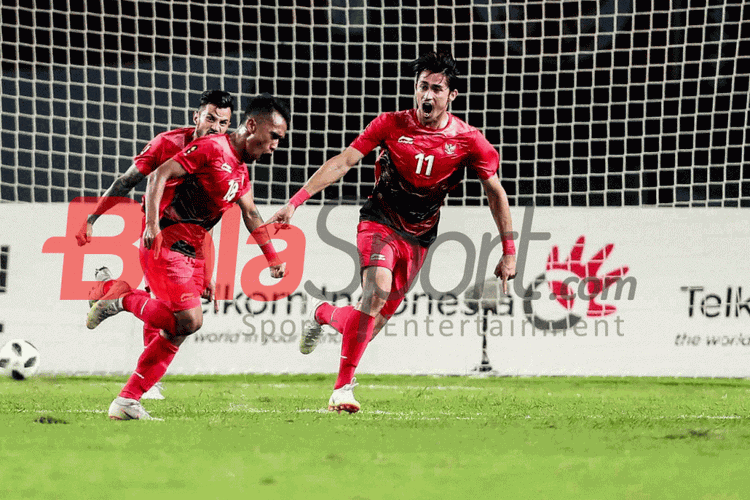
427	108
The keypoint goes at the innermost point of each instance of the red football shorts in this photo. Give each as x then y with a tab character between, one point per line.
381	246
174	277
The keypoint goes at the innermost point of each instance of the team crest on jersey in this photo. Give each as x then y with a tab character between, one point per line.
227	167
450	149
192	148
148	146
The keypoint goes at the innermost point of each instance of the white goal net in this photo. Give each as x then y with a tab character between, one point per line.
590	103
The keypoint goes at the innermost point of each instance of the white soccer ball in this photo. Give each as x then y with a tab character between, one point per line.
19	359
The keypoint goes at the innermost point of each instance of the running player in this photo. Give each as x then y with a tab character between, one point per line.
213	116
424	152
212	175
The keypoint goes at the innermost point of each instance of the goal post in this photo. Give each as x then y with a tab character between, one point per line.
590	103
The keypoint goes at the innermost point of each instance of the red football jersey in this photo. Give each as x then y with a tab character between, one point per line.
416	168
161	148
216	179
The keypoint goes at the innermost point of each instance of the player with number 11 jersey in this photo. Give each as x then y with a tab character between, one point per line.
417	167
424	154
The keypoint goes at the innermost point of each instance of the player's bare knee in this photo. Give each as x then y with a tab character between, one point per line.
371	304
188	322
190	326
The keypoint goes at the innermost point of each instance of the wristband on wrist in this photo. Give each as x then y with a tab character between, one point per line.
509	247
261	237
299	197
270	253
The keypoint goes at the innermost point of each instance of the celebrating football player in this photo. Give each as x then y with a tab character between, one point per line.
424	152
211	175
213	116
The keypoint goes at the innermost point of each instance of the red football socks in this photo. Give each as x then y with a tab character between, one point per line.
151	311
149	333
152	365
325	312
356	328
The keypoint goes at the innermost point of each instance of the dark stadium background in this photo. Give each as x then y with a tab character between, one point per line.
545	86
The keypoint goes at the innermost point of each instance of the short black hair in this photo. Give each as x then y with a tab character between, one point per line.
218	98
438	62
266	104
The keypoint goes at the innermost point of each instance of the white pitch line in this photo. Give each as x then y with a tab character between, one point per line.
423	388
379	386
249	409
398	415
710	417
444	415
62	411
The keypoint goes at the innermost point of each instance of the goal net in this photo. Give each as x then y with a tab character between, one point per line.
590	103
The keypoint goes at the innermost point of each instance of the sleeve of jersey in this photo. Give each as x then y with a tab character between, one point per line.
374	134
194	156
486	159
245	187
149	158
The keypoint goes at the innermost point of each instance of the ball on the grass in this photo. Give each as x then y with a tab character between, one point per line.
19	359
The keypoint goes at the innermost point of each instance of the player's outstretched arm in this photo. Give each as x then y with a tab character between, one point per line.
121	187
331	171
500	208
254	223
154	192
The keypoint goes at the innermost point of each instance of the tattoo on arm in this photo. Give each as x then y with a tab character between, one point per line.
130	179
255	217
252	219
119	188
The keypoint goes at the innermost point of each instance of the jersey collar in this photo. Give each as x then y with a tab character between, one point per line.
419	124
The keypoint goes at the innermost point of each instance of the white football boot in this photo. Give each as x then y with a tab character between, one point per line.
343	398
313	330
128	409
102	274
109	305
154	392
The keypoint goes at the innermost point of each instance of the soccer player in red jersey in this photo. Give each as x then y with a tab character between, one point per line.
211	175
213	116
424	152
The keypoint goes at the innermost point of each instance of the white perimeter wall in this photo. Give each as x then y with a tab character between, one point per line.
685	310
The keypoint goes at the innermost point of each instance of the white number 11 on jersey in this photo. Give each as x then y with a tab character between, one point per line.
420	160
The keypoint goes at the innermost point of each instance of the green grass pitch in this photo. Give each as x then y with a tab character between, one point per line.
269	437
